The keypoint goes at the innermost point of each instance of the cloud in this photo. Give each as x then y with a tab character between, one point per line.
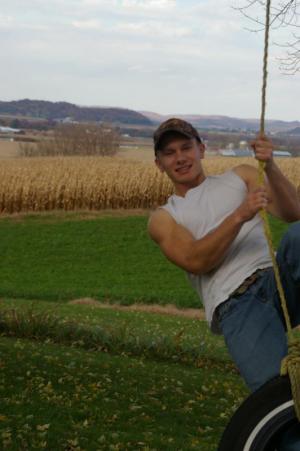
91	24
152	29
148	4
6	22
134	53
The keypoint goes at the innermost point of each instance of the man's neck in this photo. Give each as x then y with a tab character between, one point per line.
182	189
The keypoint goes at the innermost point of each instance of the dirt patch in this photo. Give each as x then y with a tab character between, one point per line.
169	309
55	215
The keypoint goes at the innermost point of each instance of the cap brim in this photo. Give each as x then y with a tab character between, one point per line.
172	129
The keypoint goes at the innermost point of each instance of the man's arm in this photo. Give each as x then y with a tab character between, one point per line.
283	199
203	255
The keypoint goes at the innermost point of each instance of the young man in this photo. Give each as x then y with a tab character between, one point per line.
211	228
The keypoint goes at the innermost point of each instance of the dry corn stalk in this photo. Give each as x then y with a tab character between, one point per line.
96	183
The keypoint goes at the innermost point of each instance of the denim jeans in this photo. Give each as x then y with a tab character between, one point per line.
253	324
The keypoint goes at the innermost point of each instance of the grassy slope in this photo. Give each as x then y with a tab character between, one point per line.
111	259
57	398
130	332
64	397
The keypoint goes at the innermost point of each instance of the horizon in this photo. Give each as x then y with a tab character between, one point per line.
150	112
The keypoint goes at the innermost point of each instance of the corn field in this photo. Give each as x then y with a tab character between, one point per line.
97	183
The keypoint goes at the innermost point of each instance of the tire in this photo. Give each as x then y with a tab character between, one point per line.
261	420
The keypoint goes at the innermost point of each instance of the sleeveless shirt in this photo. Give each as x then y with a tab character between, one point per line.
202	210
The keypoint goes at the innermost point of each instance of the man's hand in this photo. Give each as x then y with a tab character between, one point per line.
255	201
263	149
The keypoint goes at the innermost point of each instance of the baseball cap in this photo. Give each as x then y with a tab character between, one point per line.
174	125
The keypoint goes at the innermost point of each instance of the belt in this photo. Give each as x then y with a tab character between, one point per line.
247	282
242	288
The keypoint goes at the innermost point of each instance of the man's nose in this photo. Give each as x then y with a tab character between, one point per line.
180	156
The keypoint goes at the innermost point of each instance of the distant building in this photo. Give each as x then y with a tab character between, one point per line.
9	130
281	153
65	120
249	153
236	153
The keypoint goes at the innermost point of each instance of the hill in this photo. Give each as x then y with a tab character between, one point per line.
223	123
295	131
60	110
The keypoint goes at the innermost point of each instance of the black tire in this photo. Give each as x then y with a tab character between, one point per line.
260	421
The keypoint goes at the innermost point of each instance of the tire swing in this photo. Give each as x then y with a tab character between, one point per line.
262	420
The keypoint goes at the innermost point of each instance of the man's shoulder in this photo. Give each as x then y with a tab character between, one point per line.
158	216
246	172
158	221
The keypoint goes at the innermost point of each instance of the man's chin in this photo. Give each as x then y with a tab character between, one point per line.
185	179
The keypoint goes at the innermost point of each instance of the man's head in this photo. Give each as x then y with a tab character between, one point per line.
174	127
178	150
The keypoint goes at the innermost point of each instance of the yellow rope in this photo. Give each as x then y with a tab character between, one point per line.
269	238
291	363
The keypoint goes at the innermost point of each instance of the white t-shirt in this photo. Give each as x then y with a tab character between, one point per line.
202	210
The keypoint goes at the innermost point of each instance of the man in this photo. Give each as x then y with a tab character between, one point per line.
211	228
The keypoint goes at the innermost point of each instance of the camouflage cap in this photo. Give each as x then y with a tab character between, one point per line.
174	125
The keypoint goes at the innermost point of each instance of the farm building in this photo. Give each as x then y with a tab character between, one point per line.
249	153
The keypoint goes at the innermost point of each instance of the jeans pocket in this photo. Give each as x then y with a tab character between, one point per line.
265	290
261	295
227	307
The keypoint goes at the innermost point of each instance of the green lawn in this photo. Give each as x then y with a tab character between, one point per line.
109	258
60	398
80	378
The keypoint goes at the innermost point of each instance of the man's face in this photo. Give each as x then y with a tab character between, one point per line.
180	159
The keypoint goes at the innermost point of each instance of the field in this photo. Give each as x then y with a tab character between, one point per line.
65	257
76	376
8	149
91	183
79	377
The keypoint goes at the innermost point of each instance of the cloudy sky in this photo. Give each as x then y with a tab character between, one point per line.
166	56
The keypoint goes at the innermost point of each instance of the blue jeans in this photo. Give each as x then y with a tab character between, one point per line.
253	324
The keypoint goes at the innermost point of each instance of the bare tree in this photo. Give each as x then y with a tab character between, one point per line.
284	14
77	139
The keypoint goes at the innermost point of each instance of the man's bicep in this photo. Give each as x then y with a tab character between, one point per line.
174	240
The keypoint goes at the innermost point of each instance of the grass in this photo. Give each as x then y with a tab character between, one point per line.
77	398
80	378
65	391
155	336
109	258
62	398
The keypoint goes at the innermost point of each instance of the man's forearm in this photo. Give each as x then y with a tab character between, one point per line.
208	252
283	192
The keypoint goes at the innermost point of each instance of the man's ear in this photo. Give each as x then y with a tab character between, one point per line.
202	149
159	165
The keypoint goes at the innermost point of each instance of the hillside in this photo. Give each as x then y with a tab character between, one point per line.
60	110
41	110
226	123
295	131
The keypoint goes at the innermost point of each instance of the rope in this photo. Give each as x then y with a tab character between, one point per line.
265	69
291	363
290	366
263	212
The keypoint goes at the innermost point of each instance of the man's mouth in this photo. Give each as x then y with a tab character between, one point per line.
184	169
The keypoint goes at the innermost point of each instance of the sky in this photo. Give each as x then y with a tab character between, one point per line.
165	56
